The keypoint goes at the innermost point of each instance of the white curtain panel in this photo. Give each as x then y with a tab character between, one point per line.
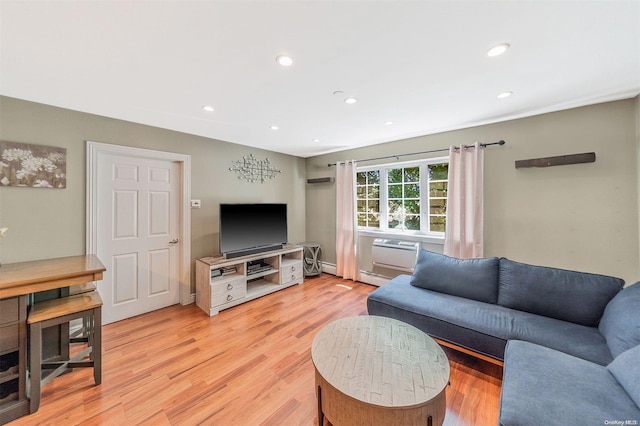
346	225
465	203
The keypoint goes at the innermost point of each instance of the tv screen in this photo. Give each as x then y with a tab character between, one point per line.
252	226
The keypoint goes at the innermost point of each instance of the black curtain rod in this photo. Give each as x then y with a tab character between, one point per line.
483	145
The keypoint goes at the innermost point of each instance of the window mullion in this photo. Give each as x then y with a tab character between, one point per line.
384	199
424	198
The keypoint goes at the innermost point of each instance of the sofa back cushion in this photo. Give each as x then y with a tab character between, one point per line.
620	323
626	369
475	279
572	296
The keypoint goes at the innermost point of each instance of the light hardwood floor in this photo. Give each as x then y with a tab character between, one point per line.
249	365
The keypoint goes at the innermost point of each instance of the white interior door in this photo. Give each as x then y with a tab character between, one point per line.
137	234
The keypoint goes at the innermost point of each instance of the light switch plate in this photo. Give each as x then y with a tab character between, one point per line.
196	204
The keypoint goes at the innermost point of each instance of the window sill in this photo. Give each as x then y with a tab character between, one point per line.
421	238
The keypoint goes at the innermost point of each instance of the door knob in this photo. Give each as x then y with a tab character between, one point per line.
174	241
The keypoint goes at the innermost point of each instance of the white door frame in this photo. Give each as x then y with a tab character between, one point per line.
94	149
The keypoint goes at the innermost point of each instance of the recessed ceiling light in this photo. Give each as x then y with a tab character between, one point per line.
388	123
498	49
351	100
316	140
284	60
504	95
274	127
208	108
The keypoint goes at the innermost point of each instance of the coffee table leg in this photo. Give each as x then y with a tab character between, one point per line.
320	413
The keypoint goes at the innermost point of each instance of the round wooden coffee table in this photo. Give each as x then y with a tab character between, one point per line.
376	370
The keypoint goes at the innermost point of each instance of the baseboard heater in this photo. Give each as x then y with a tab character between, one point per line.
395	254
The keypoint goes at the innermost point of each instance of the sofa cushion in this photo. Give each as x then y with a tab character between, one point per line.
541	386
442	315
626	369
620	324
577	297
573	339
482	327
475	279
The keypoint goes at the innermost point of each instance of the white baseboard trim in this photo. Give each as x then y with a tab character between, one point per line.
190	300
329	268
365	276
373	279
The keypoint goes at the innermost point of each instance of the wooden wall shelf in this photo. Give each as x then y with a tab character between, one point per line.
562	160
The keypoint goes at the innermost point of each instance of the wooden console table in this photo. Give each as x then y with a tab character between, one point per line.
18	279
17	282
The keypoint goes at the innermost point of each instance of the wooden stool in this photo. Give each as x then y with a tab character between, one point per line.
82	288
86	306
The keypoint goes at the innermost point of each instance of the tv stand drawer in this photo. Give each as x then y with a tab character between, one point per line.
229	291
290	273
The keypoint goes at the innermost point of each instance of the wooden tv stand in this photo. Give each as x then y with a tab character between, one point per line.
281	269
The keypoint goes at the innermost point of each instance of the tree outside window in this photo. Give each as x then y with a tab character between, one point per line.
403	195
438	185
368	199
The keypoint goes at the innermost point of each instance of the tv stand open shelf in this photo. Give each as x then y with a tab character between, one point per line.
223	283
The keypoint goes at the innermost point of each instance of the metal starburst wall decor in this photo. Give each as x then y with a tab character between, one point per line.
253	170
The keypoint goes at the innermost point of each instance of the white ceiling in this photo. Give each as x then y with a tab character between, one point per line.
420	64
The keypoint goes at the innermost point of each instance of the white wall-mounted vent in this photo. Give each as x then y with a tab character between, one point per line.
322	180
395	254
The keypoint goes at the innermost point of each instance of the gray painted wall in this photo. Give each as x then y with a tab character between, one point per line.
582	217
638	158
46	223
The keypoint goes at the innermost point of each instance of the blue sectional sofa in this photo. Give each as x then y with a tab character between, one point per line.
570	340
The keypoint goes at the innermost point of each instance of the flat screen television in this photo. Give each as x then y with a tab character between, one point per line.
252	228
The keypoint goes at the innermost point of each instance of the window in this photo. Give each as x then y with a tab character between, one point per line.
408	198
368	195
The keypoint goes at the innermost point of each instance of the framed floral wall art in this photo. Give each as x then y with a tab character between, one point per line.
36	166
